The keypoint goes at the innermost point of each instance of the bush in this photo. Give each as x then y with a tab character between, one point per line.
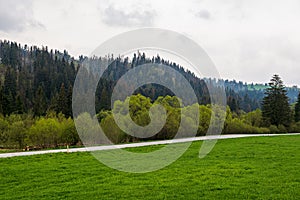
254	118
295	128
273	129
112	131
69	134
3	132
45	132
17	134
237	126
282	129
262	130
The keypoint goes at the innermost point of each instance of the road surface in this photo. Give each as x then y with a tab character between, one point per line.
141	144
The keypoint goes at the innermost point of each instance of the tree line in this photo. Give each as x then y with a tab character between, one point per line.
36	80
19	131
36	99
54	130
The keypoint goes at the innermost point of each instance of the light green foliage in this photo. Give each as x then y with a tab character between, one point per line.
19	131
189	114
14	131
242	123
88	128
45	132
254	118
69	134
138	108
54	130
237	126
245	124
204	119
3	132
112	131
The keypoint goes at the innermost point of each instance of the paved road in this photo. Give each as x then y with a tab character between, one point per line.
141	144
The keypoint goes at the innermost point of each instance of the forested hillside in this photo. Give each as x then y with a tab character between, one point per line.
36	99
36	80
252	94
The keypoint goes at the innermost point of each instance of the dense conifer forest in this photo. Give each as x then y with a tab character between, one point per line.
35	80
36	99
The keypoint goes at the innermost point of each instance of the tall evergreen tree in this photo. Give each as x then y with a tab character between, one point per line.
275	106
9	92
1	100
19	107
69	102
53	103
40	102
297	109
62	101
9	103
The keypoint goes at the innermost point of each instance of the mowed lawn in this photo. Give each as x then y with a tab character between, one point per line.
247	168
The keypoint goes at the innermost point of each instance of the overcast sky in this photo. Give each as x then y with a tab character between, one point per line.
248	40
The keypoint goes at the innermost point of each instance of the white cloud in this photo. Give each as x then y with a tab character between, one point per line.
17	15
117	17
204	14
248	40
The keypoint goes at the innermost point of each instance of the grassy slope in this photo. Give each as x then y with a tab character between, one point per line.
248	168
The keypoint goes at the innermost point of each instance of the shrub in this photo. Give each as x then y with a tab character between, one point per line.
295	128
273	129
17	134
45	132
282	129
69	134
112	131
3	132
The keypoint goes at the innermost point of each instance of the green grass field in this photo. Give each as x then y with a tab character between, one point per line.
9	150
248	168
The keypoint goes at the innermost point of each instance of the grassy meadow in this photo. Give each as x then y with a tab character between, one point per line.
246	168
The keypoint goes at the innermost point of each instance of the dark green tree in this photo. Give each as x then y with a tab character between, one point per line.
275	105
40	102
69	102
19	107
9	92
9	103
1	100
53	103
297	109
62	101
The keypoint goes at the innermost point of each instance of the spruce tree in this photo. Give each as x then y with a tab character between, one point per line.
1	100
62	101
40	102
69	102
275	106
19	107
9	92
297	109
